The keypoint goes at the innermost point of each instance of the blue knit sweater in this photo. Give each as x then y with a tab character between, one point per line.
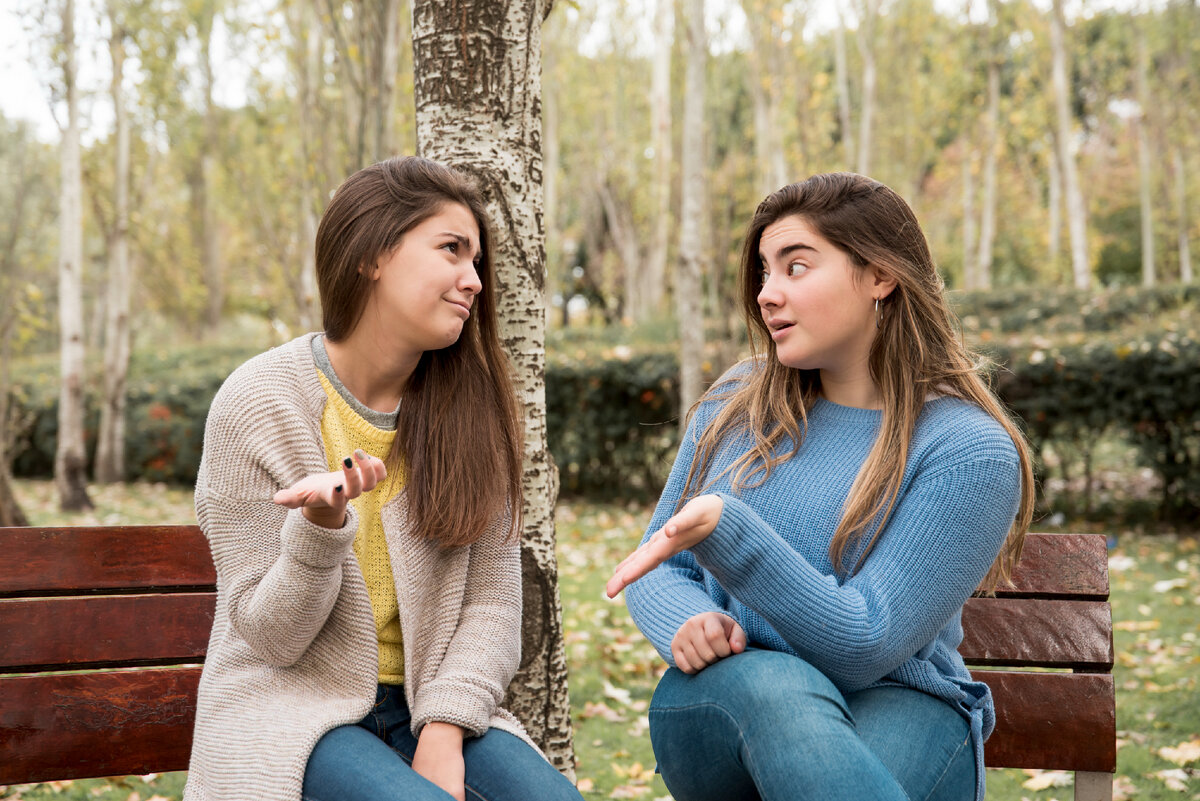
897	620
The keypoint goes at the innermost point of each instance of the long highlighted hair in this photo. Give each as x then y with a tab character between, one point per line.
916	352
458	436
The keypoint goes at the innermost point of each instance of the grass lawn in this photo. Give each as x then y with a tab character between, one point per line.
1156	608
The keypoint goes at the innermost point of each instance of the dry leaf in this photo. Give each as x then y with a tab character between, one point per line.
1175	779
585	785
1043	779
1182	754
593	709
1172	584
1123	789
629	791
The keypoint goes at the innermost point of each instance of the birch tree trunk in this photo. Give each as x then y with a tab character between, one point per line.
968	232
843	90
1145	170
306	62
478	99
1081	270
210	246
1181	209
868	17
1055	200
689	276
655	273
110	447
987	222
70	460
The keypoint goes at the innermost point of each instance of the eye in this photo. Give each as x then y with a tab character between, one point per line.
763	276
451	246
796	268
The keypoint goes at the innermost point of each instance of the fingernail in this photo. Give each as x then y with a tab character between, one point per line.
360	453
338	488
348	462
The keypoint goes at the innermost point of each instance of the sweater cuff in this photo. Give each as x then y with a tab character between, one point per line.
726	545
317	546
454	702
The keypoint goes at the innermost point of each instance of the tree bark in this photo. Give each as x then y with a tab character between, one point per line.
210	245
1081	271
1055	200
843	91
1181	209
868	18
655	273
987	221
306	62
70	460
688	279
968	232
478	100
110	445
1145	170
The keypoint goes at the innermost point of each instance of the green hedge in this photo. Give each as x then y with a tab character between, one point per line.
1055	311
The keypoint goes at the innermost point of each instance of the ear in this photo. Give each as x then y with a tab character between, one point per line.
882	282
372	271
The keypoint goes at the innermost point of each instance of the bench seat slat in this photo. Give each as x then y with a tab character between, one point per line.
62	560
1062	566
1053	721
96	724
70	633
1025	633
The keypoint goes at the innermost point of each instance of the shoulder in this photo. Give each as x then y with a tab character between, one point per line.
268	382
717	396
951	431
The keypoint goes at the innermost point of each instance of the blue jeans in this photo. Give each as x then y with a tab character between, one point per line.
372	761
768	725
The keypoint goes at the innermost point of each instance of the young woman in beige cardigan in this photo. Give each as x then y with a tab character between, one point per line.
358	489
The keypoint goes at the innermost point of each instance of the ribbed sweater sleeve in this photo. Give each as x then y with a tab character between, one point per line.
933	553
674	592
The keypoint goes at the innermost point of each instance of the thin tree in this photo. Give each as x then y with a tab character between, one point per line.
655	274
1081	270
1145	169
110	445
689	276
477	85
991	143
842	73
70	460
868	18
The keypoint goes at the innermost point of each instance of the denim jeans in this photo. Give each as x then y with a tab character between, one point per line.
372	761
768	725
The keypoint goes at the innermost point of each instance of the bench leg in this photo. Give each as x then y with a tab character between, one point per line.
1093	786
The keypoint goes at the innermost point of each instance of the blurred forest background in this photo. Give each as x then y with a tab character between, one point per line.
1050	149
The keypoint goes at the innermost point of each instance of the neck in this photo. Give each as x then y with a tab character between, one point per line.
854	389
373	370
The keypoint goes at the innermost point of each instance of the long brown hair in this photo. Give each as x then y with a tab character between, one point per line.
458	436
915	352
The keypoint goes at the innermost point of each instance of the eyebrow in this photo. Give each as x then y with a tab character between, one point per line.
788	250
465	241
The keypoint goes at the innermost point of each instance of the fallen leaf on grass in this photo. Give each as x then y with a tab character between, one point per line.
1136	625
628	791
621	696
1175	779
585	785
593	709
1170	584
1183	754
1043	779
635	773
1123	789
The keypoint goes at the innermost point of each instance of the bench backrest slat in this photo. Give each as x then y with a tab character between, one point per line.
110	723
57	561
95	631
1063	566
1020	633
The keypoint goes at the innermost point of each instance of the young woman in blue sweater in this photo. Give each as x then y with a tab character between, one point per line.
836	499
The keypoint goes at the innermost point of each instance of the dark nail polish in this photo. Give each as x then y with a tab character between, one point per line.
348	462
338	488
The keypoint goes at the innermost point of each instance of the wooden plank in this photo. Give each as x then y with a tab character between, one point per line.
48	561
1062	566
1052	721
96	724
111	630
1012	632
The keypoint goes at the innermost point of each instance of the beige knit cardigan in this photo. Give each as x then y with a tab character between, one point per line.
293	651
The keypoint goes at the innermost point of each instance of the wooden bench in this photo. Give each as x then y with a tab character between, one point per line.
132	606
1056	617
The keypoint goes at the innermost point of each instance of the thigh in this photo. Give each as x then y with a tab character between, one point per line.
350	763
922	740
503	767
761	724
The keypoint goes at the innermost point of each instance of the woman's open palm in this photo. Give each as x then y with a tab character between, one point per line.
687	527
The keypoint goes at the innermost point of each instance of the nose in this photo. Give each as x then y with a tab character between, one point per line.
768	295
469	281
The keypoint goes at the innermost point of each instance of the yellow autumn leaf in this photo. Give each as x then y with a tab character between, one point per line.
585	785
1044	779
1183	754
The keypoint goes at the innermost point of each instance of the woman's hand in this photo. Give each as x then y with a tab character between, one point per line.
704	639
322	497
439	758
695	521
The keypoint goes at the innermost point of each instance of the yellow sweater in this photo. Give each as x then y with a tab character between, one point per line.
344	430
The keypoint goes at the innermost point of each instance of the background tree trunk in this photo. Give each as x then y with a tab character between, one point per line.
868	19
1081	271
478	100
842	72
1055	200
110	446
70	460
655	274
690	273
991	127
968	227
1181	209
1145	169
210	245
306	63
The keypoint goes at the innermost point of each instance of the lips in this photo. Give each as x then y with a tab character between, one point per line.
778	327
463	306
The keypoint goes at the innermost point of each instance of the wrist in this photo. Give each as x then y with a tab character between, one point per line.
325	518
442	732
